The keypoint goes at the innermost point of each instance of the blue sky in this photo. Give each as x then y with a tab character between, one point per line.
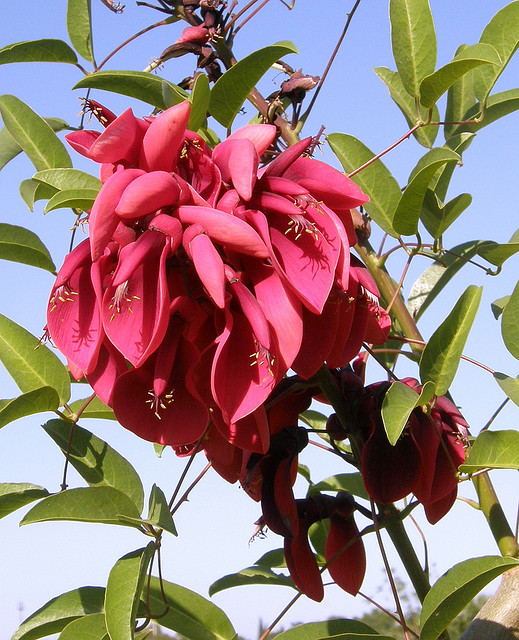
215	526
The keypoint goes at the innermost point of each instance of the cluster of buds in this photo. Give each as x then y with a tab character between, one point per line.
210	276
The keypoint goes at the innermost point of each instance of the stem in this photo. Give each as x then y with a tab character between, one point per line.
495	516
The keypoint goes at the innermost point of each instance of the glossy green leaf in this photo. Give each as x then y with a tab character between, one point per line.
319	630
9	148
250	576
44	149
84	504
79	27
95	409
32	190
123	591
172	94
13	496
510	323
46	50
36	401
460	98
358	636
498	306
398	403
458	143
90	627
199	99
314	419
502	32
96	461
408	210
54	616
441	356
413	40
434	279
454	590
135	84
65	179
493	450
498	105
509	385
72	198
190	614
496	253
351	482
31	364
438	217
376	180
317	534
436	84
18	244
231	90
406	103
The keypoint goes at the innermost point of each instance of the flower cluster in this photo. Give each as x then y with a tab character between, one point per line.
425	459
210	276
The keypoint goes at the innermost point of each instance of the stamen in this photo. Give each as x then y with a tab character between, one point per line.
159	402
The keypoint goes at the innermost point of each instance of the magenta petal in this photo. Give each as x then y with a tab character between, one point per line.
209	266
103	220
261	136
81	141
225	229
250	433
280	164
118	140
109	366
238	162
136	309
148	193
164	138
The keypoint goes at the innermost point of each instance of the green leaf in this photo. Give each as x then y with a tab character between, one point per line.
72	198
413	40
436	84
232	88
317	534
32	190
441	181
65	179
424	135
376	180
90	627
250	576
460	98
273	558
31	364
46	50
96	461
438	217
9	148
123	591
408	210
172	94
319	630
496	253
199	99
135	84
510	323
434	279
84	504
96	408
44	149
13	496
351	482
493	450
502	32
314	419
454	590
54	616
189	614
358	636
36	401
18	244
498	306
498	106
79	27
398	403
158	511
441	356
